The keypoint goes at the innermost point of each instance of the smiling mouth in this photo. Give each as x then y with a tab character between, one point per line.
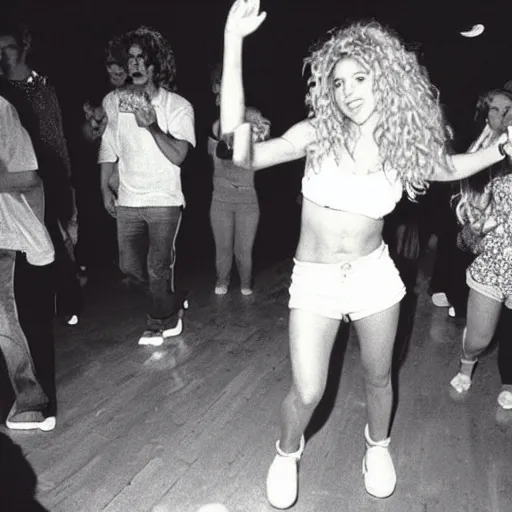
354	105
136	75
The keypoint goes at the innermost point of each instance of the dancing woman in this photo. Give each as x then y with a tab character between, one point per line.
375	128
484	208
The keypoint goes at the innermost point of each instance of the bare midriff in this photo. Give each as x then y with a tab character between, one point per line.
331	236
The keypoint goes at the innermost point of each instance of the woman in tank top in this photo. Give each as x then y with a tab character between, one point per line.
375	127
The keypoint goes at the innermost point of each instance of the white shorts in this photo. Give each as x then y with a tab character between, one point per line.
347	290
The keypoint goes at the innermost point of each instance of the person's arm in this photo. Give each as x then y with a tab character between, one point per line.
290	146
23	181
68	213
243	19
213	138
107	170
175	150
18	163
175	142
107	159
466	164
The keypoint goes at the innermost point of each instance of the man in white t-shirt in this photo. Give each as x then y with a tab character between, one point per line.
22	230
149	141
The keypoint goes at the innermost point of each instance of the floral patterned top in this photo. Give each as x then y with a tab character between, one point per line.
493	266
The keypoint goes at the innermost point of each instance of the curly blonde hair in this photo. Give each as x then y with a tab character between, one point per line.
411	133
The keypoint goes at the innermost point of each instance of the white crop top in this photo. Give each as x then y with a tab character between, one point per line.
341	188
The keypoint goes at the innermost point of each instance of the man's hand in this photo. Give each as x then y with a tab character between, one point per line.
145	117
109	200
243	18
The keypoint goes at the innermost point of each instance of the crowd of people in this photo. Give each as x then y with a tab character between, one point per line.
374	137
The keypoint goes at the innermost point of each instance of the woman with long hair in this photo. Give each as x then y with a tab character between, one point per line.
484	209
375	128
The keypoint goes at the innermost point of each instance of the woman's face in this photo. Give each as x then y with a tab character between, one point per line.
353	90
117	75
500	112
11	54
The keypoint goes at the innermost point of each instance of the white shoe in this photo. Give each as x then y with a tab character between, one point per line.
72	320
440	300
378	469
174	331
462	382
221	289
451	312
283	476
33	421
505	399
150	337
246	291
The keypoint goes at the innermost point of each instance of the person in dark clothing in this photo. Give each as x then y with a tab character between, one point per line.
35	99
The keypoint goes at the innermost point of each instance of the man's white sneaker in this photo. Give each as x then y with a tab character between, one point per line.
174	331
378	469
283	476
31	420
150	337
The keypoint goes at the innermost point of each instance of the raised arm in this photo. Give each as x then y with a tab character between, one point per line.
243	19
290	146
467	164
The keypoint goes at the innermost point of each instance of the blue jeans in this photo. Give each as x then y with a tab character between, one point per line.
29	395
234	227
147	252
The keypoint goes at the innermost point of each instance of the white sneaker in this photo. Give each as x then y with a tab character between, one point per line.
440	300
150	337
221	289
72	320
31	421
462	382
283	476
174	331
378	469
505	399
246	291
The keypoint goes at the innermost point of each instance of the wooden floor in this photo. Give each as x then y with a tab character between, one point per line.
194	422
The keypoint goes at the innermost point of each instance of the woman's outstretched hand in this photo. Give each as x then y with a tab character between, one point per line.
244	18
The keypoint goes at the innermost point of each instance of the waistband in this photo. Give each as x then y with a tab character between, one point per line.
376	254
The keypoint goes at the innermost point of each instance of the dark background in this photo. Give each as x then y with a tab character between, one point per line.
70	37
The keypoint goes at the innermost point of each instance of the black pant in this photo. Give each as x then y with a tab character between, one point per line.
69	299
34	291
449	272
504	337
